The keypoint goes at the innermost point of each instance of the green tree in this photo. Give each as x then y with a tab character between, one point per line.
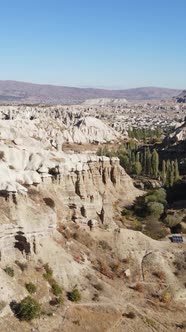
125	162
137	157
172	178
155	163
176	171
164	172
137	168
168	172
148	162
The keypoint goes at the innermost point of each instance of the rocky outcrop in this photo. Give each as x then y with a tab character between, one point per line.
86	186
92	130
181	98
54	125
32	160
105	101
177	136
174	147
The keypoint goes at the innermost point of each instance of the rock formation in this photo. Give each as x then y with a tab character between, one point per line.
105	101
174	146
181	98
31	156
61	209
54	125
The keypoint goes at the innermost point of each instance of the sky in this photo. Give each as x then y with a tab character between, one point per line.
94	43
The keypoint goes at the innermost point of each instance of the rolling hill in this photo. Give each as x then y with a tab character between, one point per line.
22	92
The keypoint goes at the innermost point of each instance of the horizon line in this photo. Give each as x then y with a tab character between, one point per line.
92	87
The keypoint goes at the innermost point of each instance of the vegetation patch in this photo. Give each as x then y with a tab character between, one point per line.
31	288
48	272
148	214
56	289
27	309
10	271
57	301
144	161
48	275
74	295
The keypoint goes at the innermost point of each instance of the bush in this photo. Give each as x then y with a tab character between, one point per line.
50	202
158	195
57	301
9	271
28	309
127	213
155	208
48	271
56	289
31	288
153	203
173	219
74	295
136	225
155	229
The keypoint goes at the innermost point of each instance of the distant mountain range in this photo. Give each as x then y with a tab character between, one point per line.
22	92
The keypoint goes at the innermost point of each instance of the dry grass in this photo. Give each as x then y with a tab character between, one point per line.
104	268
138	287
166	297
160	275
98	286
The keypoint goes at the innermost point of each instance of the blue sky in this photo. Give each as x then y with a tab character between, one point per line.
105	43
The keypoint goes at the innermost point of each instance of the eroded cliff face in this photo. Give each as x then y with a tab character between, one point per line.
80	187
47	200
174	147
33	168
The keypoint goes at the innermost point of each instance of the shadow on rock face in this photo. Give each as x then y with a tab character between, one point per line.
22	244
15	307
